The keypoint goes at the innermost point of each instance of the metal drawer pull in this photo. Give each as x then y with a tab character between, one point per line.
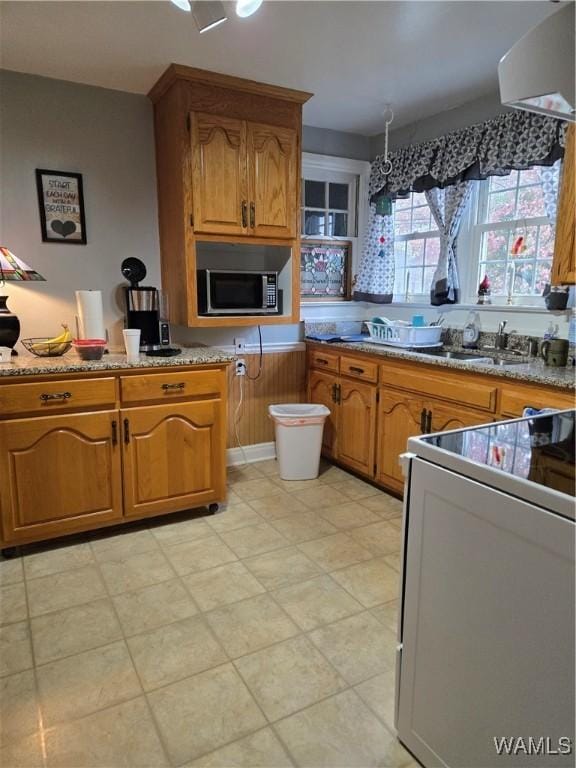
321	360
244	209
114	432
180	385
429	422
356	370
55	396
252	215
126	431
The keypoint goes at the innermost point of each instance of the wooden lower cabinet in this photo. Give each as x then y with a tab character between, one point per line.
445	417
400	416
59	474
357	425
321	390
172	457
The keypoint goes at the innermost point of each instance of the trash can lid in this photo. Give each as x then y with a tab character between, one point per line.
298	410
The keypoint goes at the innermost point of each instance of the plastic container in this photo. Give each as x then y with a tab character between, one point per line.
400	335
298	429
90	349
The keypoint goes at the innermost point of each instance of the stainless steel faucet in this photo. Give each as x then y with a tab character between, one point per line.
501	338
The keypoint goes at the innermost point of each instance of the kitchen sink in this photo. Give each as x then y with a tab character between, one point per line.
471	357
448	354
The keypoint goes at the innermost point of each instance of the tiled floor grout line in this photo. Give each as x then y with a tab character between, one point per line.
39	712
135	668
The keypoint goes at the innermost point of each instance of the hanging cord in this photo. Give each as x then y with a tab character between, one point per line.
388	118
237	419
255	378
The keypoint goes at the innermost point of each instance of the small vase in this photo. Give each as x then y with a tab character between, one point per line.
9	325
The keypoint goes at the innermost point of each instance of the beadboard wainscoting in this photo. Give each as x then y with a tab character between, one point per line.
283	380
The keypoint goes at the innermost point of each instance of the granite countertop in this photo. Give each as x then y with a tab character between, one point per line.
533	371
30	365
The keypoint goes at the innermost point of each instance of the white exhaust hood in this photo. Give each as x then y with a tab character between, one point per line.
537	73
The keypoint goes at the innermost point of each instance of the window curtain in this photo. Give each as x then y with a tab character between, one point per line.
550	179
375	280
512	141
447	206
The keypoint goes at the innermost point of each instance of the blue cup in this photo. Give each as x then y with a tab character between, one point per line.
418	321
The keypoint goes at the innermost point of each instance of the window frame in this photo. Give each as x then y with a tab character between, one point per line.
415	235
472	228
328	168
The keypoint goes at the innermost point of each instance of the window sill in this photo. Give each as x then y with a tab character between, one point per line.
524	308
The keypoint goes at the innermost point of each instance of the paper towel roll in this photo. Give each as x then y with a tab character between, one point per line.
90	315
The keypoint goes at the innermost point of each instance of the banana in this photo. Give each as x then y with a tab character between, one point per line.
64	338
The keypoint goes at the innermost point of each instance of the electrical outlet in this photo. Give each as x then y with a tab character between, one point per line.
241	367
239	345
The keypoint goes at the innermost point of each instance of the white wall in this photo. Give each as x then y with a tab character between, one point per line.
106	136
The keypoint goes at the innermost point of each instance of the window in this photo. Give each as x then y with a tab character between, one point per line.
329	208
513	236
505	234
416	246
333	209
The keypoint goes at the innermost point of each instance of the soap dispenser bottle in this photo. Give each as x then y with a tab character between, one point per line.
471	333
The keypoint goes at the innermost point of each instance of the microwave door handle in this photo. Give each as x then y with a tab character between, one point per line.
264	292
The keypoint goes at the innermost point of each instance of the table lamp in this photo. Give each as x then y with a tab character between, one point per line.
12	268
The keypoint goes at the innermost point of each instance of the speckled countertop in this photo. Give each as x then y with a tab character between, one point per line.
30	365
534	371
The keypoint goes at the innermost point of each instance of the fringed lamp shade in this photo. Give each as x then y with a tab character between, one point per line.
13	268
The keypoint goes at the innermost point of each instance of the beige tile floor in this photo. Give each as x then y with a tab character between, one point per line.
260	637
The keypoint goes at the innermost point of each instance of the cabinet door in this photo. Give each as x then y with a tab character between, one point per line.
399	418
320	390
445	417
174	457
59	474
357	426
219	176
272	162
563	267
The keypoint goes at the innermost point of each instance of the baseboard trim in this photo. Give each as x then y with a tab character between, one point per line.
251	454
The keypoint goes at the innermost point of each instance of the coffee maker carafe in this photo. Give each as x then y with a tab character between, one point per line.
146	310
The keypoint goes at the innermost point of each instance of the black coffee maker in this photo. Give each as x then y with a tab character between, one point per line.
146	309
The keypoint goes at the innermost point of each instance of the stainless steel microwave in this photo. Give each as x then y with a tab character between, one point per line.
231	292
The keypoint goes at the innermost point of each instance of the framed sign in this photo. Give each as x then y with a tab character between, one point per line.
61	202
325	270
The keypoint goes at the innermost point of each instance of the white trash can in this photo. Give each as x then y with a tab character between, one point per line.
298	428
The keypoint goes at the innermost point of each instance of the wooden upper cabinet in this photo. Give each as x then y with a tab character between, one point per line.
563	266
274	189
219	180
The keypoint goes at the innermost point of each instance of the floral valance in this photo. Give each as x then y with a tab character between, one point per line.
512	141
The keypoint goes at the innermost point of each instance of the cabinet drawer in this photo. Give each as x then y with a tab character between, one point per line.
514	401
445	386
45	397
165	387
359	369
325	361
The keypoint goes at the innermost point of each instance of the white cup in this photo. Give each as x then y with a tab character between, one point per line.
132	343
5	355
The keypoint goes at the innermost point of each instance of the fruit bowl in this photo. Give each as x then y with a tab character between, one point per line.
43	347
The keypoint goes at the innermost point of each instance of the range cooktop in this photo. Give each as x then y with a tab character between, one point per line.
538	448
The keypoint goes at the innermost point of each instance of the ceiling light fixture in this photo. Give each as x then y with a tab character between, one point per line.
246	8
184	5
208	14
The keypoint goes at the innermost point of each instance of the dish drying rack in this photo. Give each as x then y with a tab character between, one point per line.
405	336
